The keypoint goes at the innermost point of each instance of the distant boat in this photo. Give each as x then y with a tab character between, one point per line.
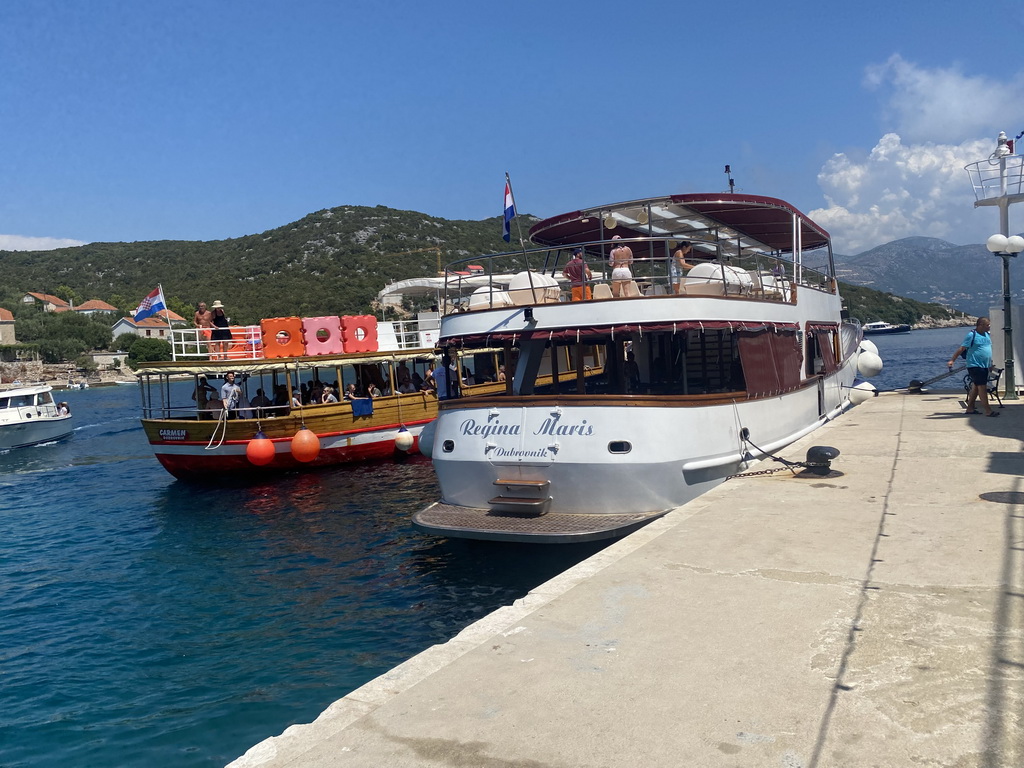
880	326
29	415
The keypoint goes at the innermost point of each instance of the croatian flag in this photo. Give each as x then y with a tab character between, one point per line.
510	211
150	305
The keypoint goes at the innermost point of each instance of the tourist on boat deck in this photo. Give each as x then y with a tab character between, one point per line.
406	387
350	392
446	378
578	274
230	395
329	396
316	391
429	385
62	409
402	373
621	259
202	394
373	390
261	402
977	345
417	381
679	266
221	335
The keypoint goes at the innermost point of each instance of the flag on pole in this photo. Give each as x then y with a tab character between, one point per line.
510	210
150	305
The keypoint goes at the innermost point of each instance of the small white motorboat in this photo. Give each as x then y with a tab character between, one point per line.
29	416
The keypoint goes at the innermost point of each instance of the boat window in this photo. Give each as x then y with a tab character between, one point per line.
821	351
5	402
19	401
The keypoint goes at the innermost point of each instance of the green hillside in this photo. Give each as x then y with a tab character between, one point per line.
329	262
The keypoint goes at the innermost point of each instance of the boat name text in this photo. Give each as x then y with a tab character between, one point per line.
550	426
174	434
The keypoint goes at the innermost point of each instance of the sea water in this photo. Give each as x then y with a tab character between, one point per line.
149	622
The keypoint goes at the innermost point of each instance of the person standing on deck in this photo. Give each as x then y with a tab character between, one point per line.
621	259
578	274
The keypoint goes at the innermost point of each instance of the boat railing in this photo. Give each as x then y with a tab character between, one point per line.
246	343
997	177
755	274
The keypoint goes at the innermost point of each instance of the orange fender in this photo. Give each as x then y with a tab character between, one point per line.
359	333
282	337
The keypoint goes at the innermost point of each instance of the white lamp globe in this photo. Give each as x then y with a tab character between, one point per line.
997	243
1014	244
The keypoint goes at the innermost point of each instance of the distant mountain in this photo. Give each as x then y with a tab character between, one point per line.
964	277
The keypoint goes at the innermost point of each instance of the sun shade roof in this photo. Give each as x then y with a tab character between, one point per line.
761	223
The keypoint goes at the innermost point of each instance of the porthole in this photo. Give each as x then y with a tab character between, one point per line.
448	446
619	446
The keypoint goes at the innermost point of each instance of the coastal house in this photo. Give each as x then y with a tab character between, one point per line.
7	327
95	307
154	327
49	303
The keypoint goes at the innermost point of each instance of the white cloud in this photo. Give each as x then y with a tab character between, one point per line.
945	105
22	243
913	182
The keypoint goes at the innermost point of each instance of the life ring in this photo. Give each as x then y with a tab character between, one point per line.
282	337
359	333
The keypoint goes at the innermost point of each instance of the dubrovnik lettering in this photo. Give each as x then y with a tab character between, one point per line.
174	434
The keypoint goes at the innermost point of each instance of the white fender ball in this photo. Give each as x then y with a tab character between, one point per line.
404	439
862	392
867	345
869	364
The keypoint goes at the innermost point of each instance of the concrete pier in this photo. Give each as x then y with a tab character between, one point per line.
870	619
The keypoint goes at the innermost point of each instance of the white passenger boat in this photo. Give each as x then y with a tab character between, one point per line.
29	416
617	410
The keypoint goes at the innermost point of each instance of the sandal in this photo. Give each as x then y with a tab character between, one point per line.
967	412
994	413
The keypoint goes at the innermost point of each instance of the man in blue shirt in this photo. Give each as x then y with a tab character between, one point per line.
978	346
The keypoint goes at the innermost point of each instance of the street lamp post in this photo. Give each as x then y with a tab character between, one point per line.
998	181
1006	248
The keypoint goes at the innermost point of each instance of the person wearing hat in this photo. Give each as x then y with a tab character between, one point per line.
221	335
578	274
621	259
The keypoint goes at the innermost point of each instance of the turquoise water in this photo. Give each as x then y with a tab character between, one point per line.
149	622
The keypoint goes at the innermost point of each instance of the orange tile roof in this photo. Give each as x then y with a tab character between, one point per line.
6	316
55	300
171	314
96	304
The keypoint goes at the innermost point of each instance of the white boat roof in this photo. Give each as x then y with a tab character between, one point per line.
453	283
20	388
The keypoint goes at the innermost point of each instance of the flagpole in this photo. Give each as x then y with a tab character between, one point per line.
519	229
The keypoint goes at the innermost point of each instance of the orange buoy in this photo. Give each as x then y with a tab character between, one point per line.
305	445
260	450
404	439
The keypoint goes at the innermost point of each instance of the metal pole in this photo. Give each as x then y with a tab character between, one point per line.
1009	375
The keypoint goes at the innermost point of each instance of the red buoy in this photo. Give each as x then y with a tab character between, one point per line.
260	450
305	445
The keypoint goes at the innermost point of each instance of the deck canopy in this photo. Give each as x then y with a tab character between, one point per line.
750	223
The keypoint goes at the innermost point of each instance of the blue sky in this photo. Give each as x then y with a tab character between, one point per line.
129	120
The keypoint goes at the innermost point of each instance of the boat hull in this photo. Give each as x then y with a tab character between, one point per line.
192	449
24	433
600	461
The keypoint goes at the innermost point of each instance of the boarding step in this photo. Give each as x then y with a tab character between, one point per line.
522	505
539	486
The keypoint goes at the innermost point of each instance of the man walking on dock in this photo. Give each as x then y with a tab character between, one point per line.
978	348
